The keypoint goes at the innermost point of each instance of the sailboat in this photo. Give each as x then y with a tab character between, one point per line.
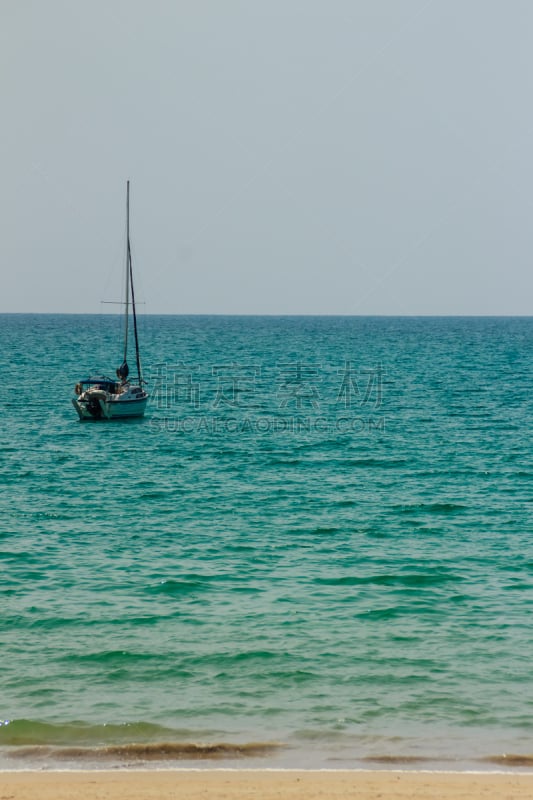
101	397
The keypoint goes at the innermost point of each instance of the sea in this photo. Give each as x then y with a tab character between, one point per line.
314	551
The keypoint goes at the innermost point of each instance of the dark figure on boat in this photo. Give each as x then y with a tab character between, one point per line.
123	371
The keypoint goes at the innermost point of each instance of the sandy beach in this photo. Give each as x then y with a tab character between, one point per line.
262	785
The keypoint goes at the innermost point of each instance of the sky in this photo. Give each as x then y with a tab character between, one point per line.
285	157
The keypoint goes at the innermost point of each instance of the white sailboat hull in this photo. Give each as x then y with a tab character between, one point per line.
98	404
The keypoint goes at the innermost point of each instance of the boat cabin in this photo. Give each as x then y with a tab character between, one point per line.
101	382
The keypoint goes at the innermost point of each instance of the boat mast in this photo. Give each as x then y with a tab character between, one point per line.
139	373
128	272
130	281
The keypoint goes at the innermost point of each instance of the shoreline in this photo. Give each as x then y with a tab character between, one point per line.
131	768
262	784
250	757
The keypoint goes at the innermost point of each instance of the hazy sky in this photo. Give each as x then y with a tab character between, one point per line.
285	156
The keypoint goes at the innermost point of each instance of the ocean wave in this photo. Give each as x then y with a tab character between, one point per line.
510	760
153	751
415	580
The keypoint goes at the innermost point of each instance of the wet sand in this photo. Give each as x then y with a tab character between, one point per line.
263	785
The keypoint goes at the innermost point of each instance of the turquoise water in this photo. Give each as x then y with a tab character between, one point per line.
314	550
